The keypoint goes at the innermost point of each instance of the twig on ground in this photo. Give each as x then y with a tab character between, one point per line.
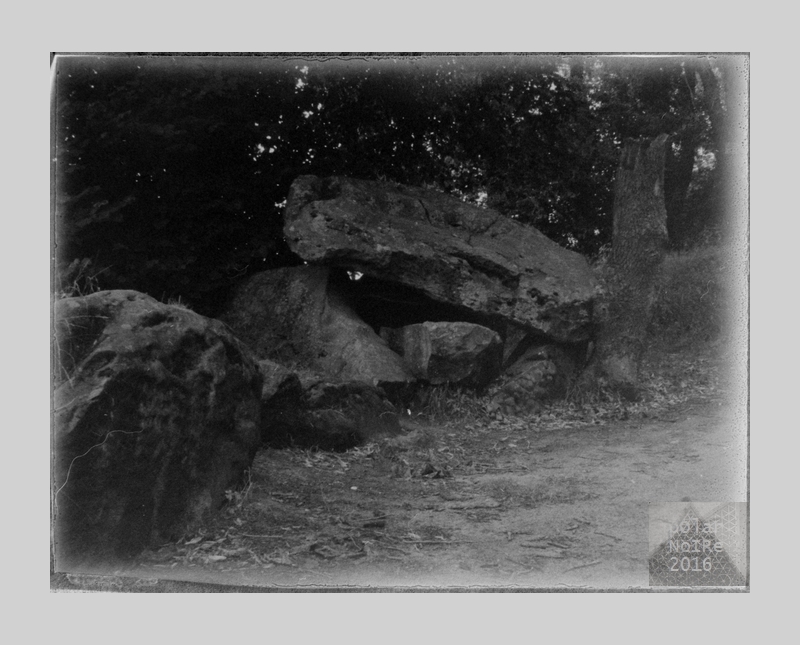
582	566
249	535
395	548
443	541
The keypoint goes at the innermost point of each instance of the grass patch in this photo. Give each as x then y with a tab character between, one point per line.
691	305
80	278
440	403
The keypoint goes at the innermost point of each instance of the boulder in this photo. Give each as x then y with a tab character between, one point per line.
156	417
542	372
516	341
294	316
460	353
307	410
277	379
453	252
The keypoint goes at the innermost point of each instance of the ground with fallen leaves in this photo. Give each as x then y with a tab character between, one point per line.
556	498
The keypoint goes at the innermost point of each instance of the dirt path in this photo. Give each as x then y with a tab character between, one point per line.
492	506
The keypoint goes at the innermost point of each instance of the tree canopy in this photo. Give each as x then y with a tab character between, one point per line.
171	172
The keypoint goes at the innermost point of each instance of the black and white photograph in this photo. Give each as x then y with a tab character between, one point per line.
397	322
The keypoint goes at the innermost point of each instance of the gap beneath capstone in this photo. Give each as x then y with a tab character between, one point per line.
384	304
380	303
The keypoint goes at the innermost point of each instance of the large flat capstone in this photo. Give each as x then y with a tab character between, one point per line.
451	251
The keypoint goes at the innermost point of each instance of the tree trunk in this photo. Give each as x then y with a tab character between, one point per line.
677	178
638	247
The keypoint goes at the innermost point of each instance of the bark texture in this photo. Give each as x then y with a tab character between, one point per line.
638	247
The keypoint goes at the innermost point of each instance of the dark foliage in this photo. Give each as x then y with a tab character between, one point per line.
171	173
